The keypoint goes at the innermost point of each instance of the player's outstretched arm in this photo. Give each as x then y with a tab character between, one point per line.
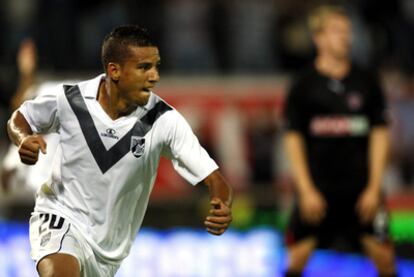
221	198
22	136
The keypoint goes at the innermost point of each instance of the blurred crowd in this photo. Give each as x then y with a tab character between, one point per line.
213	38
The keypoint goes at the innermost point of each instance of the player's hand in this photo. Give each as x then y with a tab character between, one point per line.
219	218
312	206
367	204
29	148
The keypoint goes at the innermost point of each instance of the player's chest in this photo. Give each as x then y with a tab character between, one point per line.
335	97
338	109
89	133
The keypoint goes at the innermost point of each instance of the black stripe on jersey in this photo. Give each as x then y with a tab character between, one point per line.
107	158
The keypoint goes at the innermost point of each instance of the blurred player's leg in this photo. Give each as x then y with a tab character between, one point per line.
382	254
62	265
298	256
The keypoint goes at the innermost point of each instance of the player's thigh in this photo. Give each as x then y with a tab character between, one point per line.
59	264
300	251
381	253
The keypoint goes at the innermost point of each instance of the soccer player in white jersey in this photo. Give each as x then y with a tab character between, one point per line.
113	130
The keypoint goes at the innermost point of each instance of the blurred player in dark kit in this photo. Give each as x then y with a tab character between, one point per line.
337	143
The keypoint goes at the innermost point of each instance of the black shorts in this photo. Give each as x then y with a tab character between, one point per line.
341	228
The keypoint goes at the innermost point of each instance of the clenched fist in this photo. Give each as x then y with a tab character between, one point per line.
29	148
219	218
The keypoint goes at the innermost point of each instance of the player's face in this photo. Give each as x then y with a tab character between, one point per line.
139	74
335	38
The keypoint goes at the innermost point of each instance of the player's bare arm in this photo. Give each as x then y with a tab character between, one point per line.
369	200
221	198
26	64
311	202
22	136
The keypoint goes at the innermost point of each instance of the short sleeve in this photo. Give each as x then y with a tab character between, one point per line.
294	117
378	109
41	112
182	147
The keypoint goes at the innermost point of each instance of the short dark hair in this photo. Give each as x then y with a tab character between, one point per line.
115	47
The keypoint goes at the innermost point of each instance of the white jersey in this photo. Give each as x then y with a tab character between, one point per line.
108	167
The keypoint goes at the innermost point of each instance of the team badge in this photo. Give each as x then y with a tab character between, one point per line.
137	146
354	100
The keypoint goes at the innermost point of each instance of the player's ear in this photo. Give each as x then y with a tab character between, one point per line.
114	71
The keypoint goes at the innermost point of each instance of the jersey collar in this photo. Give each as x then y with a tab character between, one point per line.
90	90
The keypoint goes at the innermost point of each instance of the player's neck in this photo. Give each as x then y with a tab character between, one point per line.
112	104
334	68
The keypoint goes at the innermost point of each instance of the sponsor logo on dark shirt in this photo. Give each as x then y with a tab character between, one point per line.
338	126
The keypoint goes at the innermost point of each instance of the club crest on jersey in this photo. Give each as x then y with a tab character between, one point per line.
137	146
355	100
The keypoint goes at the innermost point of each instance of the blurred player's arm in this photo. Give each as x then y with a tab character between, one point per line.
312	204
26	64
378	154
221	198
369	201
22	136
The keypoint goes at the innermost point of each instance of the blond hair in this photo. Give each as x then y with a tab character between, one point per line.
318	16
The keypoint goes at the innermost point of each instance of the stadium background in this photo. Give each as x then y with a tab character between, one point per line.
226	65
